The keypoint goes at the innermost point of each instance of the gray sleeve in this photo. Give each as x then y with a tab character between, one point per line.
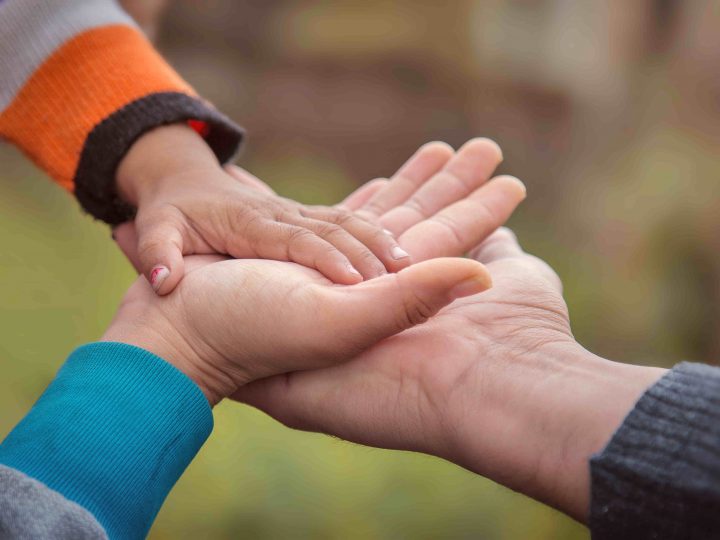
659	476
30	510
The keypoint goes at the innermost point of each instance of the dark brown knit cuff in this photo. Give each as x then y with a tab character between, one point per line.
109	141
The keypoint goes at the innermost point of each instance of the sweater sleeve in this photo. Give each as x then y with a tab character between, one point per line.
659	476
29	509
112	434
79	83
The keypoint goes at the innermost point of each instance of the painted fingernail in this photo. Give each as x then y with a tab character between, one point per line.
469	287
158	276
398	253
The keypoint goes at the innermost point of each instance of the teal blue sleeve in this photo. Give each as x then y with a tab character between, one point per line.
113	432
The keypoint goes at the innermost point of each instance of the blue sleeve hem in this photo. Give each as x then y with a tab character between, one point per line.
113	432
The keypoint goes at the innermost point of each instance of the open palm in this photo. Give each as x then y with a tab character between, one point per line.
411	391
248	319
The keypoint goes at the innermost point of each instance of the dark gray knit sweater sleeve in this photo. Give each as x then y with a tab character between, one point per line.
30	510
659	477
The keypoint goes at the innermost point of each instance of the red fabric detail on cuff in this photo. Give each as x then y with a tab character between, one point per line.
201	127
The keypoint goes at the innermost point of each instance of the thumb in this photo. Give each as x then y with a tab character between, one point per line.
160	252
381	307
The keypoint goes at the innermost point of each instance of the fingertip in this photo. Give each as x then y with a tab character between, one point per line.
469	287
353	273
514	185
476	279
398	259
164	279
484	145
157	277
439	148
343	274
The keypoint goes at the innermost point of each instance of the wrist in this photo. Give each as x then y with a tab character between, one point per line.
589	403
157	157
141	326
548	411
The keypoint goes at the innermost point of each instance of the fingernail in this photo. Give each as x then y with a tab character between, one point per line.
353	270
388	232
469	287
157	277
398	253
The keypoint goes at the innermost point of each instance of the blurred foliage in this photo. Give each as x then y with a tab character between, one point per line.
608	111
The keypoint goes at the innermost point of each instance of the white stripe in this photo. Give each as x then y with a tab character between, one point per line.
31	30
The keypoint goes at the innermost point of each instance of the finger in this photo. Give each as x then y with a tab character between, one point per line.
380	243
160	250
360	256
324	399
244	177
502	244
358	401
468	169
125	237
287	242
459	227
376	309
362	194
428	160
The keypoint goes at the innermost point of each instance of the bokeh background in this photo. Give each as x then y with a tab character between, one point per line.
610	113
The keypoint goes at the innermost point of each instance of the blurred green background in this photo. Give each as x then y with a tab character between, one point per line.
607	110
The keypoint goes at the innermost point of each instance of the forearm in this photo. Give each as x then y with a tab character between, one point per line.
79	84
544	433
113	432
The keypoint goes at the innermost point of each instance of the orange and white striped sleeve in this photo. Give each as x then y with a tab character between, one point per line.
79	83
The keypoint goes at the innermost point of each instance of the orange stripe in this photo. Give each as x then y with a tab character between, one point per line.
84	81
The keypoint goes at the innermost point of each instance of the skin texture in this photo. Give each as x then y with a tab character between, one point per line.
188	204
494	382
220	325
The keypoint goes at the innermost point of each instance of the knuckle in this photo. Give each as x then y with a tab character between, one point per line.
342	217
328	229
416	310
415	204
299	235
148	247
368	260
486	213
452	227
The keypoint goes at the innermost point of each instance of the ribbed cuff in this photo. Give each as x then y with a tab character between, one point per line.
113	432
659	476
111	139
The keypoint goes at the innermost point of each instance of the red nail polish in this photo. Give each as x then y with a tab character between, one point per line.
158	276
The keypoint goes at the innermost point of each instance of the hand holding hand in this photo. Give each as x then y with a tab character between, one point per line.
234	321
494	382
188	204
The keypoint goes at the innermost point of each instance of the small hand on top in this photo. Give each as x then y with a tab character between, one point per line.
234	321
188	204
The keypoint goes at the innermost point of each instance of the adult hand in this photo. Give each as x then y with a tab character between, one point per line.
238	320
495	382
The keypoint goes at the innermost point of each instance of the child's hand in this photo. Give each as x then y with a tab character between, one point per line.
188	204
234	321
